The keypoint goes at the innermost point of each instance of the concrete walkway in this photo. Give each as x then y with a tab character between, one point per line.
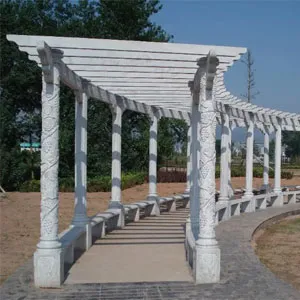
242	274
151	250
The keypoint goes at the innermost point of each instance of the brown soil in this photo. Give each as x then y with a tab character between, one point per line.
20	220
278	247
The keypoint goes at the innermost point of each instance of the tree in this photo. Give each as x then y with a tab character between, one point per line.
21	84
251	93
292	140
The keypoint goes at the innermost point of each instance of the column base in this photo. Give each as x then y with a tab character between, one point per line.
207	262
265	188
153	198
48	268
277	190
80	220
118	207
187	191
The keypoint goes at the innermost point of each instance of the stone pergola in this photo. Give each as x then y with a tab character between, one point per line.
178	81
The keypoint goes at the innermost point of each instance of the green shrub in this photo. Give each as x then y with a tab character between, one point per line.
66	184
96	184
99	184
30	186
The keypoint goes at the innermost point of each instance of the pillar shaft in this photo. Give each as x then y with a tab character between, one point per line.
249	159
195	184
224	165
266	161
153	158
49	164
230	188
207	173
188	161
80	217
48	258
116	154
277	178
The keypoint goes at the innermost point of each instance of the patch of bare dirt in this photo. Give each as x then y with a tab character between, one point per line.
278	247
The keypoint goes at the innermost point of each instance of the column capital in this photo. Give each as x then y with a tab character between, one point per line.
80	96
118	107
50	60
154	112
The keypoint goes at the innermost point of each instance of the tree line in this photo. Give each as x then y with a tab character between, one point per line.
20	105
21	88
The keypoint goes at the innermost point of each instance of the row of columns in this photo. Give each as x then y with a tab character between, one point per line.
226	190
49	253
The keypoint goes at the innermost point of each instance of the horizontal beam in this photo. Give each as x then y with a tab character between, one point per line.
131	46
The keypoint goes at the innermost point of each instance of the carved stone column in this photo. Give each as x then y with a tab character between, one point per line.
249	159
153	164
188	161
230	188
277	175
48	258
266	185
80	217
195	183
116	192
207	251
224	165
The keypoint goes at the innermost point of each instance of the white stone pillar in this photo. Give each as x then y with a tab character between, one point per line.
277	175
153	164
224	168
224	165
48	258
116	192
249	159
188	161
207	251
230	188
80	216
265	186
195	184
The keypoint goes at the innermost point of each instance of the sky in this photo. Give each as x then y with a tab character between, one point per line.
271	29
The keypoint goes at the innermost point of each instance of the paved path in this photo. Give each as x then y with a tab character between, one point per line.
150	250
242	277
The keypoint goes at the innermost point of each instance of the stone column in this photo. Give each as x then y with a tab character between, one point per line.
153	164
195	184
230	188
48	258
188	161
116	193
265	186
277	175
224	165
249	159
80	217
207	251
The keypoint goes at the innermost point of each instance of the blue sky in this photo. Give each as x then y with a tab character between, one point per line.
271	29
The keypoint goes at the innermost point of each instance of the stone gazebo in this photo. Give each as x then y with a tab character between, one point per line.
160	80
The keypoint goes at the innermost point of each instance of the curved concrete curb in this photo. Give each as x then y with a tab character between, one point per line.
275	220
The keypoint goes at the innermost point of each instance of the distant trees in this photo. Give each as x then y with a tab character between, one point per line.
292	140
21	87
